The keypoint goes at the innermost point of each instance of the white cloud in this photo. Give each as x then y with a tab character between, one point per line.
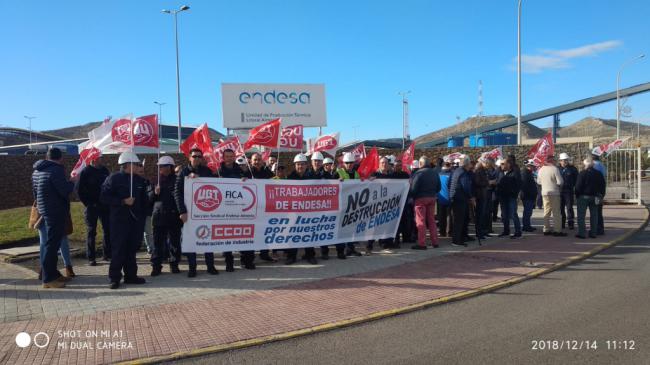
550	59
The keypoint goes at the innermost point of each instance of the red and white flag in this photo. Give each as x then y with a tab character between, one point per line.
267	135
543	148
609	147
124	133
328	143
200	139
369	165
407	158
359	152
493	154
291	137
86	156
452	156
231	143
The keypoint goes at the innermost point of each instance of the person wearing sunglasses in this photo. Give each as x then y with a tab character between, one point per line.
196	168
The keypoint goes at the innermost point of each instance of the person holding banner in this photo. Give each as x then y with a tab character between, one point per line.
231	170
126	194
384	172
406	222
165	219
345	173
301	173
259	171
196	168
328	169
316	165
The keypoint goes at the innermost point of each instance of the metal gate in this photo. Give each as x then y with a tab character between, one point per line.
624	176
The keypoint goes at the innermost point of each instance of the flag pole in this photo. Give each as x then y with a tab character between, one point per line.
132	143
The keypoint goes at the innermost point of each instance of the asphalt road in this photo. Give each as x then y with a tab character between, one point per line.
605	298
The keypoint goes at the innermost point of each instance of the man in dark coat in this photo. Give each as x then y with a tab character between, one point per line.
126	194
508	187
460	194
196	168
590	190
567	193
480	184
165	220
51	191
406	222
528	195
89	187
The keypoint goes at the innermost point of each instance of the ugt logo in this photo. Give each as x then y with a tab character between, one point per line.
207	198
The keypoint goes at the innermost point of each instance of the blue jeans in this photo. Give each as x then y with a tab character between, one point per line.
587	202
508	212
529	205
64	251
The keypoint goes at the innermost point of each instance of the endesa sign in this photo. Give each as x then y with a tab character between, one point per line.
227	215
246	106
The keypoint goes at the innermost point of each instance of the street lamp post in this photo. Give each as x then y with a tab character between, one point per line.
618	94
405	115
178	82
519	74
30	127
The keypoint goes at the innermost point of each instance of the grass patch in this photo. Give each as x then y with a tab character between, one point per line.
13	227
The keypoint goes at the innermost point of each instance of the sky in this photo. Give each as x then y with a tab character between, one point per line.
73	62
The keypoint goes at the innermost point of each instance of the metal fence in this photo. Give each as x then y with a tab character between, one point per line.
624	176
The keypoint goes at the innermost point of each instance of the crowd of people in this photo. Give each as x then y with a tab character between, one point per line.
445	198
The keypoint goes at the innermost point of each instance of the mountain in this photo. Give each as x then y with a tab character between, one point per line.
604	130
528	131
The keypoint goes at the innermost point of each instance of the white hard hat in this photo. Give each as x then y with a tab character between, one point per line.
166	160
391	159
415	164
499	161
457	160
128	156
564	156
241	160
328	160
530	162
596	152
300	158
348	157
317	156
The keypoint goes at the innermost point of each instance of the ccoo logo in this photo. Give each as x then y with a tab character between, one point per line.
207	198
143	132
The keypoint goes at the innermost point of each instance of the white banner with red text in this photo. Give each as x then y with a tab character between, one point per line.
234	215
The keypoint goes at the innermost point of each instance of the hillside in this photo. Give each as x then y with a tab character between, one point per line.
527	131
604	130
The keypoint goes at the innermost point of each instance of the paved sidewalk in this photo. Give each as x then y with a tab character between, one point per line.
174	314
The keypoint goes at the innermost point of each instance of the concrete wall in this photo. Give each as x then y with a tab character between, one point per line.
16	171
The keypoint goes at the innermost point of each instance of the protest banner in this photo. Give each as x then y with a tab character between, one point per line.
273	214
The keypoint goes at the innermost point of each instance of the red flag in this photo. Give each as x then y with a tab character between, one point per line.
291	137
266	135
231	143
544	147
143	131
326	143
369	164
407	158
359	152
200	139
86	156
493	154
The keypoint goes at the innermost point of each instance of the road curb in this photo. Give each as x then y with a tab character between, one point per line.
391	312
